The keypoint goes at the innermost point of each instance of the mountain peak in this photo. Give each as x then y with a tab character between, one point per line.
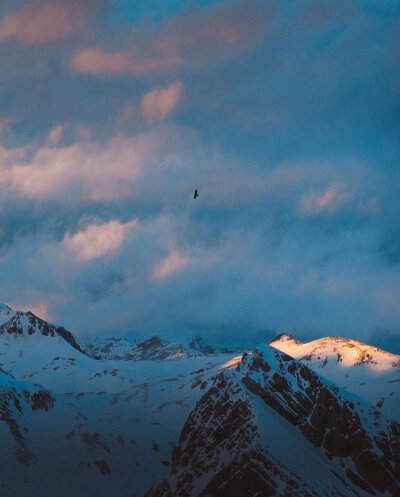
20	323
352	365
235	441
284	337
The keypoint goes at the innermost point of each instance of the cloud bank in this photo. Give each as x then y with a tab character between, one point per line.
284	116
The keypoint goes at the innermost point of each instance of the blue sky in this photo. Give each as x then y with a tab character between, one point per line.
285	116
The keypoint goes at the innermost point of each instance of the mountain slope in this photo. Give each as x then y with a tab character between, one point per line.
271	426
125	414
15	399
367	371
5	313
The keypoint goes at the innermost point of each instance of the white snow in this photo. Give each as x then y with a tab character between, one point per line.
6	313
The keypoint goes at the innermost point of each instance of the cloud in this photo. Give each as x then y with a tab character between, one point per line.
197	35
252	270
98	240
96	61
55	134
83	170
5	123
191	37
330	200
174	262
41	21
159	103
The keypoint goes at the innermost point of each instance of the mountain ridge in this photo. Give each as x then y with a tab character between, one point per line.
221	446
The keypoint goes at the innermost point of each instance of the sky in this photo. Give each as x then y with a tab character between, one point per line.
284	115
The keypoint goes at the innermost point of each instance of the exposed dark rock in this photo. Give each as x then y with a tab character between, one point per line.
42	400
94	441
284	336
103	467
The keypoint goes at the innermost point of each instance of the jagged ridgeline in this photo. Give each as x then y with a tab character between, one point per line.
114	416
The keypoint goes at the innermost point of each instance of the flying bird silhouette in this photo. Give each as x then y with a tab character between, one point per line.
195	194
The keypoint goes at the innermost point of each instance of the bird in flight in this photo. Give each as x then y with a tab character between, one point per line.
195	194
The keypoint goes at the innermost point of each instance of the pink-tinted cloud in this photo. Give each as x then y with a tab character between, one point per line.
96	61
330	200
83	133
98	240
55	134
82	171
174	262
5	122
41	21
159	103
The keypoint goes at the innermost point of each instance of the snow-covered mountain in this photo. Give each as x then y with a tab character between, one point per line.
122	416
114	422
24	324
113	425
367	371
269	425
152	348
197	345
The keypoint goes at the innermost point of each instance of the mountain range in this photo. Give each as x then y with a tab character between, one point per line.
108	416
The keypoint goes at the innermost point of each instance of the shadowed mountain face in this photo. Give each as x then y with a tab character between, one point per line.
162	419
271	426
